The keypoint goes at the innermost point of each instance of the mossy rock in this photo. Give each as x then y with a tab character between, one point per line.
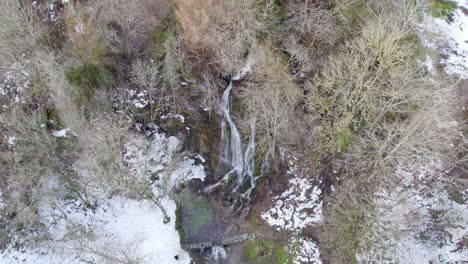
456	196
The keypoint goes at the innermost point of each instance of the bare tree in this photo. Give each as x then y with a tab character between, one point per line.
271	98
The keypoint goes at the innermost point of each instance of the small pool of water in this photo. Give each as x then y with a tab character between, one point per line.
198	216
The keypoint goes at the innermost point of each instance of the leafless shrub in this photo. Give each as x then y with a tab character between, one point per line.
233	27
270	98
372	76
146	73
372	106
310	31
100	162
126	25
312	20
27	166
162	79
110	252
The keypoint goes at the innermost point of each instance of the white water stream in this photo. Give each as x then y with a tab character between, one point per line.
241	163
218	252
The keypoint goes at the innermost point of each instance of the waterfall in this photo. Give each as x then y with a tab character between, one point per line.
231	150
218	252
241	163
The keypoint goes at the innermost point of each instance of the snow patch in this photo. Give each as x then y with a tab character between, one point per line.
297	207
181	118
139	100
300	205
306	251
15	83
60	133
12	140
155	160
119	228
450	37
419	221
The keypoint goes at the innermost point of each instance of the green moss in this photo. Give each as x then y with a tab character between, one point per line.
251	250
391	116
281	256
253	219
443	8
273	12
267	244
87	78
265	251
352	14
163	31
50	118
154	178
89	75
456	196
343	139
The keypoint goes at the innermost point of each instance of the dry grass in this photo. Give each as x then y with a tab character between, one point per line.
125	26
61	92
100	161
18	33
234	27
87	44
194	18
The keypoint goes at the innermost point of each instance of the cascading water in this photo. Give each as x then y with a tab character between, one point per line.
218	252
241	164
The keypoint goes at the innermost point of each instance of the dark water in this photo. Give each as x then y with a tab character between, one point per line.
198	216
200	222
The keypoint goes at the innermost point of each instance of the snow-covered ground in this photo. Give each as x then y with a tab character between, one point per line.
296	208
425	218
16	82
419	221
138	99
449	38
118	228
305	251
300	205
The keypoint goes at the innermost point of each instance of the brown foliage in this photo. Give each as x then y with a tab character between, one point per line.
194	18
